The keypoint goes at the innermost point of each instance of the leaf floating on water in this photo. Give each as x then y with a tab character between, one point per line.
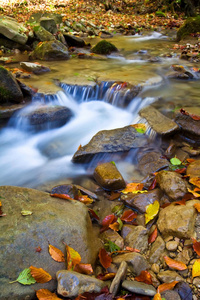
133	187
56	254
26	213
105	258
73	258
83	269
195	181
166	286
175	264
151	211
40	275
153	236
44	294
25	277
141	128
145	277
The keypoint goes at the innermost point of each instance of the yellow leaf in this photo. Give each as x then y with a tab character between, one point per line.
196	268
151	211
195	194
73	258
141	128
85	199
195	181
157	296
40	275
197	206
56	254
44	294
133	187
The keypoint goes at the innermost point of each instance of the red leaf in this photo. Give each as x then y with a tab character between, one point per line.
153	236
105	258
62	196
153	185
145	277
128	215
180	171
93	215
38	249
110	219
196	246
180	202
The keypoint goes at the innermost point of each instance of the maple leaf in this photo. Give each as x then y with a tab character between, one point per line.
40	275
133	187
56	254
44	294
196	268
151	211
166	286
83	269
73	258
105	258
145	277
174	264
153	236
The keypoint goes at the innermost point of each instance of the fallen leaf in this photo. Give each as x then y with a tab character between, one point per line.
153	185
25	277
83	269
128	215
197	206
56	254
193	116
175	161
114	226
196	268
40	275
141	128
85	199
174	264
195	181
195	194
38	249
105	258
107	221
157	296
93	214
133	187
196	246
62	196
114	196
151	211
190	160
166	286
180	202
106	276
44	294
145	277
26	213
153	236
73	258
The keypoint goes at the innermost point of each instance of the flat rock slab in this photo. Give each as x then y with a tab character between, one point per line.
157	121
13	30
33	67
53	221
111	141
139	288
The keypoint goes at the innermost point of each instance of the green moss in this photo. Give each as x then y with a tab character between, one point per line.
192	25
4	93
160	14
104	47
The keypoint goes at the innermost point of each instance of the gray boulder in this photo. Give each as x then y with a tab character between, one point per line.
13	30
42	34
49	24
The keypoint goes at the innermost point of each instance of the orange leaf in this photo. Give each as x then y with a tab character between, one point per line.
62	196
174	264
106	276
40	275
85	199
133	187
195	181
180	202
44	294
114	226
83	269
190	160
196	246
195	194
153	236
56	254
196	268
197	206
105	258
157	297
166	286
132	249
128	215
114	196
145	277
73	258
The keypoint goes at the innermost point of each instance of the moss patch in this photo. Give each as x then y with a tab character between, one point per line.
192	25
160	14
104	47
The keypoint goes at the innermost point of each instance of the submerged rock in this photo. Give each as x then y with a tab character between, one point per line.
104	47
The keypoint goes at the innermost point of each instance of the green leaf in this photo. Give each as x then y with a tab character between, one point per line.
118	209
112	162
25	277
120	223
111	247
26	213
175	161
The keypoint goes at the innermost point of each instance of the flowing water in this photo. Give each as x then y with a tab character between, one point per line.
30	158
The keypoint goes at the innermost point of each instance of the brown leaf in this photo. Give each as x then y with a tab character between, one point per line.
166	286
83	269
153	236
114	196
105	258
197	206
180	202
145	277
174	264
40	275
44	294
196	246
195	181
128	215
56	254
73	258
106	276
153	185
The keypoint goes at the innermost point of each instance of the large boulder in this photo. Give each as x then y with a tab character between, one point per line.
9	88
50	50
53	221
13	30
191	25
42	34
74	41
104	47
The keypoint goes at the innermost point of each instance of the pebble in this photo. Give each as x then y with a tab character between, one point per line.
172	245
139	288
155	268
196	282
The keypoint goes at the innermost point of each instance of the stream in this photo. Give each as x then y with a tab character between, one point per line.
31	158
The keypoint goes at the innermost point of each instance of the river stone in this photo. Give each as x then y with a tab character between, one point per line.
157	121
172	184
172	245
36	17
170	295
50	50
108	176
33	67
9	88
113	236
137	238
7	111
136	262
178	220
111	141
49	24
156	250
74	41
104	47
42	34
169	276
126	229
71	284
72	190
13	30
53	221
184	290
193	170
185	255
120	275
152	162
140	201
139	288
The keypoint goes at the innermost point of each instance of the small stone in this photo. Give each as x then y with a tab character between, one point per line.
193	169
126	229
155	268
172	254
114	237
120	275
184	256
169	276
172	245
184	290
155	281
196	282
156	250
137	238
139	288
168	238
170	295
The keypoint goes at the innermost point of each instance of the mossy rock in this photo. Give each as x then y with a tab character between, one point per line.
192	25
104	47
160	14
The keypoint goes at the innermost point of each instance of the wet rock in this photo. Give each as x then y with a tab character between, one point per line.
156	250
170	295
104	47
151	162
52	221
155	281
136	262
157	121
113	236
169	276
49	24
172	184
139	288
72	190
137	238
178	220
42	34
35	68
74	41
13	30
108	176
184	290
155	268
120	275
9	88
111	141
193	169
50	50
140	201
7	111
71	284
